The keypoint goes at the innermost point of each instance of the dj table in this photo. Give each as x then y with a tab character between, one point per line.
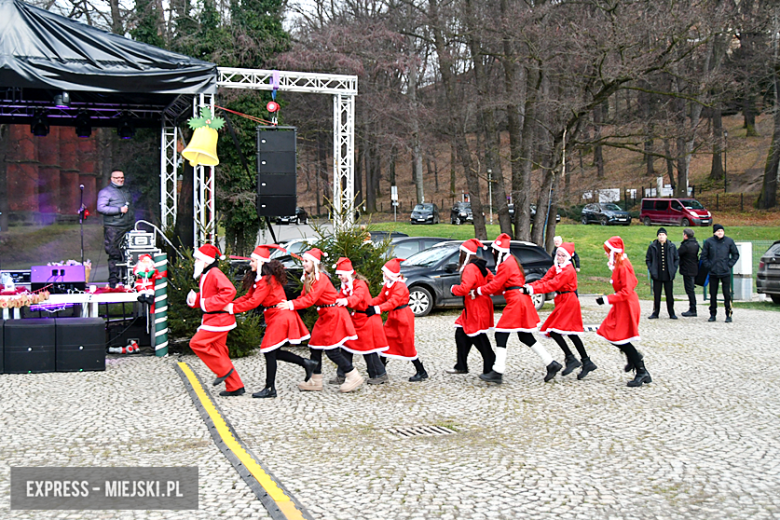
89	302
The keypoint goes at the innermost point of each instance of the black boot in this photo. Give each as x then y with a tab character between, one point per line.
629	364
571	363
552	369
419	376
492	377
690	313
265	393
421	373
309	365
642	376
587	367
239	391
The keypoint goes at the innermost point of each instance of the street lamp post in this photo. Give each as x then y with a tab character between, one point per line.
725	161
490	193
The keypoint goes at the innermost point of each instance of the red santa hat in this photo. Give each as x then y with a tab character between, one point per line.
344	266
471	247
501	244
568	248
145	258
315	255
207	253
614	246
392	268
263	253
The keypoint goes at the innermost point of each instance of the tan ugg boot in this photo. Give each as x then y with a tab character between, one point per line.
352	381
313	384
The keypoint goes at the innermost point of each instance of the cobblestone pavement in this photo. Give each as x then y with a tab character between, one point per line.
701	441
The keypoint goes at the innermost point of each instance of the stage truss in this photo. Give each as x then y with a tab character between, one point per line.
342	88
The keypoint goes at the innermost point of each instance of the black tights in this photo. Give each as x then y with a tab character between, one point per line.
270	364
558	338
336	355
375	367
464	342
632	354
525	337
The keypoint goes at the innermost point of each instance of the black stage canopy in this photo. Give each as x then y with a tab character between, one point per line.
107	77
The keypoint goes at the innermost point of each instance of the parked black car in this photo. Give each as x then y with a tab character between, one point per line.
425	213
430	273
404	247
377	237
605	214
768	274
533	212
460	213
300	217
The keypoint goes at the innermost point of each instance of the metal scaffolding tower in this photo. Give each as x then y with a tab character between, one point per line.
343	88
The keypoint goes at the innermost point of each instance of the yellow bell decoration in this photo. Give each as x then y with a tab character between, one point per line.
203	145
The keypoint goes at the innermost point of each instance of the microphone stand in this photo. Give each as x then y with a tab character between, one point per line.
82	208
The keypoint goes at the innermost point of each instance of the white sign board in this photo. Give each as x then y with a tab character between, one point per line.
607	195
393	192
610	195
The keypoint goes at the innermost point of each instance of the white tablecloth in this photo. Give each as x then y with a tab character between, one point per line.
89	302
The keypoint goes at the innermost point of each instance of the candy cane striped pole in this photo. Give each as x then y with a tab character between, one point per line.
160	340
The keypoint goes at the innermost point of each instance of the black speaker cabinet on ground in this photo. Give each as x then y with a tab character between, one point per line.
29	346
81	344
276	171
1	346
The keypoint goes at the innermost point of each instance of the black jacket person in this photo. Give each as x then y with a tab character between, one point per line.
662	261
689	268
719	255
115	203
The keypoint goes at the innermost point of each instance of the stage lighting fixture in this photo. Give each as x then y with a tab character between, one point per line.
126	129
40	125
83	125
62	100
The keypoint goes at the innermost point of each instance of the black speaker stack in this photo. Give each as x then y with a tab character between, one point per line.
37	345
276	171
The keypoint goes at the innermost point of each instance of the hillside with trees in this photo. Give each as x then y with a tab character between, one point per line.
546	98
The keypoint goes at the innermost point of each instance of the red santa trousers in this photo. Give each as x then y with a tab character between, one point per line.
211	348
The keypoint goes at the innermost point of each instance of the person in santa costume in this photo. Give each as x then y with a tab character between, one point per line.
399	327
333	327
354	293
264	286
476	320
210	341
621	326
519	314
566	318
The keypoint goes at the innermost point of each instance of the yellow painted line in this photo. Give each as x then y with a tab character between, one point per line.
281	499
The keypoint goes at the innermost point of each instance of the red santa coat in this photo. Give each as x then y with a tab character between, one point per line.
216	291
334	326
477	315
370	331
399	327
281	325
519	314
622	322
566	318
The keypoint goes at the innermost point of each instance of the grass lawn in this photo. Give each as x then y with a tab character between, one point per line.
594	275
